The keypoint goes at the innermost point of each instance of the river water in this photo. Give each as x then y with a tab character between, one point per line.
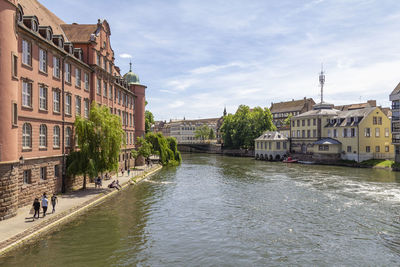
224	211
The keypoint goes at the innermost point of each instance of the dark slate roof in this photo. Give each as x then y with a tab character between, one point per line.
358	115
288	106
327	141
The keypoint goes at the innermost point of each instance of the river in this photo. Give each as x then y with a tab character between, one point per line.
225	211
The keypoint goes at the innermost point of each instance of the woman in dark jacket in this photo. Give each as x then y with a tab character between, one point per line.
36	207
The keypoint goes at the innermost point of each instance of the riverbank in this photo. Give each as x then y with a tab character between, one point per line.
23	228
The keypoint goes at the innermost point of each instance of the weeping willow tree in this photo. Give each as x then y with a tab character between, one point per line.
166	148
100	138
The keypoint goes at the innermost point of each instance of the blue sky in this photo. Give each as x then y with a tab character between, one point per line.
196	57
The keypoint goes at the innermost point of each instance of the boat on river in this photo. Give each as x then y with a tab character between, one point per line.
290	160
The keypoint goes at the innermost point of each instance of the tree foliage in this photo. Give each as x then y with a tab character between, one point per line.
99	140
211	135
287	120
145	147
240	129
166	148
202	132
149	120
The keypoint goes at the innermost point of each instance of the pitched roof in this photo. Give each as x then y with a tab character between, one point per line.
396	90
327	141
79	33
294	105
272	135
45	16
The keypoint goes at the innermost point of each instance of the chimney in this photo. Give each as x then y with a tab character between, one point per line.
372	103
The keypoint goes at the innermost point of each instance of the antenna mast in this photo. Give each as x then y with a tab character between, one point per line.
322	82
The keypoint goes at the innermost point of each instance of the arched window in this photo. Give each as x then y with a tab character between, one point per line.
68	133
26	136
43	135
56	136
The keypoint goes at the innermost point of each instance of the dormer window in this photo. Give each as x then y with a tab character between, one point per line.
31	22
35	26
20	13
46	32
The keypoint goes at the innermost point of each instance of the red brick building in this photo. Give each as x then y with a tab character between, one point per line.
50	72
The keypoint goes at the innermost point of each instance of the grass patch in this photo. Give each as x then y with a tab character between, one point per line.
378	163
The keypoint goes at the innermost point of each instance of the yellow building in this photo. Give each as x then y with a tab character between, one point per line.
359	134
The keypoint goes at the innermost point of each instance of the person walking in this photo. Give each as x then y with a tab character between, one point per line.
36	207
45	203
54	201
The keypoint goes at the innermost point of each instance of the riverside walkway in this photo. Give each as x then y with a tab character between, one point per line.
23	227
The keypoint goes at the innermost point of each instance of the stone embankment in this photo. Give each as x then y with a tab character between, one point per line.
22	228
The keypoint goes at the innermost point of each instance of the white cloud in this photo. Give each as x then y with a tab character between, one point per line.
124	55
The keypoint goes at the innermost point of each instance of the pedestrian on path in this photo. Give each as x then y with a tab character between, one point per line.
122	171
45	203
54	201
36	207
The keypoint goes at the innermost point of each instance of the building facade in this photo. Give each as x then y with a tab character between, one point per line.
395	98
185	130
271	145
282	110
51	72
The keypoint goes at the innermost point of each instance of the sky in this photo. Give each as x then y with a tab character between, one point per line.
197	57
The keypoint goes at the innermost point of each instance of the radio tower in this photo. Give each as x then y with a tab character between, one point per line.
322	82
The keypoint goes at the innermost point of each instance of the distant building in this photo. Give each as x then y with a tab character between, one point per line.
280	111
271	145
395	98
185	130
368	104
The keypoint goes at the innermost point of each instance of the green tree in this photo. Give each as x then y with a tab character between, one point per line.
145	147
100	138
149	120
287	120
211	135
202	132
166	148
240	130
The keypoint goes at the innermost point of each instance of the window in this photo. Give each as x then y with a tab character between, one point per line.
42	97
386	148
42	136
269	145
303	122
349	149
77	77
26	94
15	114
303	133
98	86
334	133
68	72
42	60
86	108
308	133
56	136
293	133
368	149
377	132
314	132
77	105
26	53
105	89
14	65
56	67
68	103
26	136
86	81
56	171
119	97
298	133
68	133
56	101
377	149
329	133
353	132
278	145
43	173
375	120
323	147
98	59
110	66
379	120
386	132
284	145
367	132
110	92
105	64
27	176
345	132
293	124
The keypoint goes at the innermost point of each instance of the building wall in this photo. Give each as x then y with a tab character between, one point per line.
270	149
